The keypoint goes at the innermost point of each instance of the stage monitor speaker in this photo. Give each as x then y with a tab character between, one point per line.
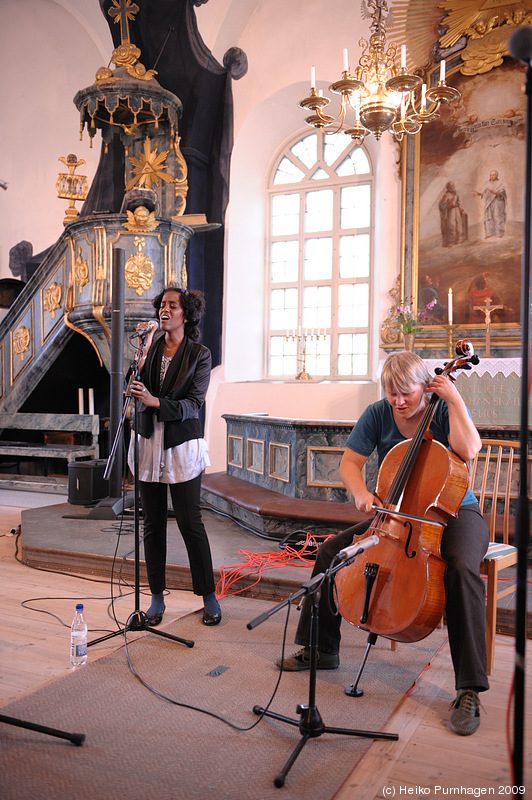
86	483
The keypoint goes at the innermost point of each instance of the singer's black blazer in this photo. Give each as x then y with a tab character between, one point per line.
182	394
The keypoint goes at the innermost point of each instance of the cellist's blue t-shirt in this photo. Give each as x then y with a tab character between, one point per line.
376	428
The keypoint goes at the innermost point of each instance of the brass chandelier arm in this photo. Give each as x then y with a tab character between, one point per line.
319	120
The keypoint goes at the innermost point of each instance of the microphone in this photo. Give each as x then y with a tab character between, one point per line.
520	44
359	547
151	325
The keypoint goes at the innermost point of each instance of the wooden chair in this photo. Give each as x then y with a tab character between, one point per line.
494	481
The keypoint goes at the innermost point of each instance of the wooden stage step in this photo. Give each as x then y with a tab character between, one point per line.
274	513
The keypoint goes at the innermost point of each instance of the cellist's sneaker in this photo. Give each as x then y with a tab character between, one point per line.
301	660
465	718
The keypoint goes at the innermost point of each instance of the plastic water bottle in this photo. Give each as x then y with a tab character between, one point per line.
78	638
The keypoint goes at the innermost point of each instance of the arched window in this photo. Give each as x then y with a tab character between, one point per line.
320	249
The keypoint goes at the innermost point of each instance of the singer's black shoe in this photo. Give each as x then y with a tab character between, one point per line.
301	660
211	619
154	619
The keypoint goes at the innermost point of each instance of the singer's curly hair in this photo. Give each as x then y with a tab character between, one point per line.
193	305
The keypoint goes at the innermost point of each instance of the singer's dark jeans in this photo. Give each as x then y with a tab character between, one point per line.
463	545
186	504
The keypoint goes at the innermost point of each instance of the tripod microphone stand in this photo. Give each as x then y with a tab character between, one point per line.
310	723
75	738
137	620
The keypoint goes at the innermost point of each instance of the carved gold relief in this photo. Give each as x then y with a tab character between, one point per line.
389	329
476	20
139	269
140	220
81	271
479	30
181	180
184	277
100	272
52	298
105	75
148	168
126	54
487	27
482	55
21	341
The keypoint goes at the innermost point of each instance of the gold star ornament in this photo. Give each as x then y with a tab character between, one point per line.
148	168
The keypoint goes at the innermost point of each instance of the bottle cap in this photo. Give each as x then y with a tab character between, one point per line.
79	607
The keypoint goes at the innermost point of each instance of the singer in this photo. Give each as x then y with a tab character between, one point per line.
406	384
174	376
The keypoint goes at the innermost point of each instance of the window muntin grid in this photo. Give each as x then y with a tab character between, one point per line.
319	258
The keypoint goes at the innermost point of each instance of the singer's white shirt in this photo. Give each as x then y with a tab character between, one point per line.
177	464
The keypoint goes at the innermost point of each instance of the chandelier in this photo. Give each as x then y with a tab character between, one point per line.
382	96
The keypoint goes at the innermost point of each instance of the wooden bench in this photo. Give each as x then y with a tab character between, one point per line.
53	435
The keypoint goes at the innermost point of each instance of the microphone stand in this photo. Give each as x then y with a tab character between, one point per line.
75	738
137	620
523	503
310	723
520	47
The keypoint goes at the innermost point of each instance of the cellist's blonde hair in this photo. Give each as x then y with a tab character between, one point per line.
403	371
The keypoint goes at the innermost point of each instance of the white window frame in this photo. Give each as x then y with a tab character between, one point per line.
302	187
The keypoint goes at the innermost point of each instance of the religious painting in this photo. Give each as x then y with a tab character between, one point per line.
471	200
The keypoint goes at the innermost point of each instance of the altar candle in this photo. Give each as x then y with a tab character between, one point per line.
403	56
346	60
313	77
450	306
80	402
91	401
442	70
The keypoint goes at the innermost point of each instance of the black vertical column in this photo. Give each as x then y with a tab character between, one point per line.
520	47
117	371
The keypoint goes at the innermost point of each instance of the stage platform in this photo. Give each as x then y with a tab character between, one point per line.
64	537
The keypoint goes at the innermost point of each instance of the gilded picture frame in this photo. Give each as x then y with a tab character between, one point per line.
458	232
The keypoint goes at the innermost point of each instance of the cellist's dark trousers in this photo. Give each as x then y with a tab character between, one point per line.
463	546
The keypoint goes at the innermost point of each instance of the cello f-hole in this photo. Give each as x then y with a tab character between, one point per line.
370	573
407	545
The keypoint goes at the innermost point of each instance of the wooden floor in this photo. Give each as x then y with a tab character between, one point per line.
427	760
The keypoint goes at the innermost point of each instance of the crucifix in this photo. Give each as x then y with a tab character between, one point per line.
123	11
487	308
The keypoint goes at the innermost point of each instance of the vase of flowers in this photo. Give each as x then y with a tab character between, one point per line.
408	322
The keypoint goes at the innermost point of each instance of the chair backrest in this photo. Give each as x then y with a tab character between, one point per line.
495	481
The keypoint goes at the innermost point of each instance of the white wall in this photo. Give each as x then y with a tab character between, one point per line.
48	51
53	49
266	115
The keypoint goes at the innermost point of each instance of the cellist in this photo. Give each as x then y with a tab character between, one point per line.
407	386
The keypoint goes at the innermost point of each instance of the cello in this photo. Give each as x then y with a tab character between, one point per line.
396	590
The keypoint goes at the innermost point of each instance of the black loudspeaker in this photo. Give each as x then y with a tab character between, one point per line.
86	483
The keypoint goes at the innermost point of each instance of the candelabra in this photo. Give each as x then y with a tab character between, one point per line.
71	187
302	340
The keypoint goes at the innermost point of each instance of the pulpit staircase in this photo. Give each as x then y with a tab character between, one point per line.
55	339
